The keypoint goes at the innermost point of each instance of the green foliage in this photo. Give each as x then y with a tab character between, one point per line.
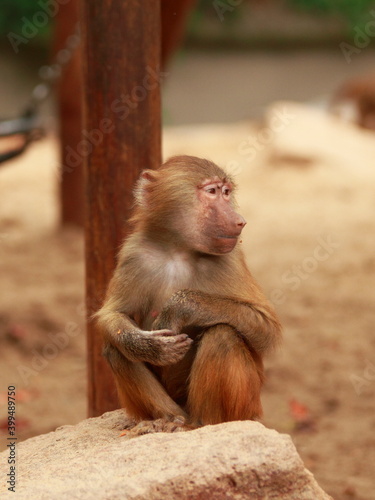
212	8
355	12
12	12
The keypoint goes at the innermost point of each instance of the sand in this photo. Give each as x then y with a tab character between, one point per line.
307	192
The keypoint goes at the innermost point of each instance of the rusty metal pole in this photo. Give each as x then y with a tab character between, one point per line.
173	19
69	101
122	131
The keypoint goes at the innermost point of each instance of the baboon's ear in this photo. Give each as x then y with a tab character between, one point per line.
144	184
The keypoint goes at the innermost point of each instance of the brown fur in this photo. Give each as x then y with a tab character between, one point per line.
235	373
184	322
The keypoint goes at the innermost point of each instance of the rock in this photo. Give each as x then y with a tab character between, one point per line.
239	460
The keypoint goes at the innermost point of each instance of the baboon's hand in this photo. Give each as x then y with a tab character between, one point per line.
159	347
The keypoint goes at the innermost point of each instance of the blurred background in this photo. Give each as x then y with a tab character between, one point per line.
282	94
255	51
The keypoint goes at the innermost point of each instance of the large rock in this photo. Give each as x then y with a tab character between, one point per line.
239	460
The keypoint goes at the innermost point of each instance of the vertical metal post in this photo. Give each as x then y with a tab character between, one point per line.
122	131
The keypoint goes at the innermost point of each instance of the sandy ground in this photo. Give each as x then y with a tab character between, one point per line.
307	192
